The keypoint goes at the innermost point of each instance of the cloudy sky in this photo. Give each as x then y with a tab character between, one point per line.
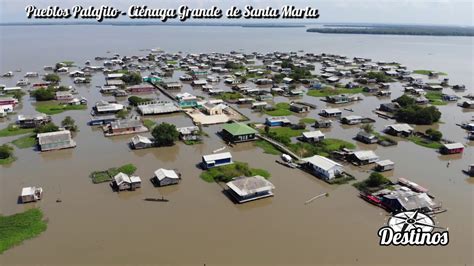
441	12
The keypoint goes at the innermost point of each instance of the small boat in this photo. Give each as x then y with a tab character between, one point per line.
371	199
9	74
349	109
218	150
23	82
157	199
287	164
31	75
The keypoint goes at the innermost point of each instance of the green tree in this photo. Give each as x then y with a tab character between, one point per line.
53	78
379	76
132	78
69	123
415	114
6	151
135	100
165	134
405	100
43	94
232	65
49	127
369	128
286	64
122	114
376	179
434	135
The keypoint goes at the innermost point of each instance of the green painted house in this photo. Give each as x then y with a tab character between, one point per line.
238	132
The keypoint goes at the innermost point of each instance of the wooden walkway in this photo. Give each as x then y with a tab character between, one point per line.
165	92
280	147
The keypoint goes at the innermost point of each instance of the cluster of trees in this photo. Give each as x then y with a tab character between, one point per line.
376	179
135	100
132	78
412	113
53	78
6	151
297	73
165	134
434	135
49	127
69	124
44	94
47	94
233	65
379	76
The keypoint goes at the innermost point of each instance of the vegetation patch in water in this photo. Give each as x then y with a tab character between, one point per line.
428	72
150	124
226	173
226	96
375	182
425	142
14	229
54	108
6	155
323	148
13	130
307	120
280	109
107	175
329	91
435	97
267	147
25	142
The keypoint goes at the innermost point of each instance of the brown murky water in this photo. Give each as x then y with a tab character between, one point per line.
93	225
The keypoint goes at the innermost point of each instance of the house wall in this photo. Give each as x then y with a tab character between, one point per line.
167	182
27	198
56	145
123	186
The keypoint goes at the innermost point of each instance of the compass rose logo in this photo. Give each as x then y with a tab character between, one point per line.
406	221
412	228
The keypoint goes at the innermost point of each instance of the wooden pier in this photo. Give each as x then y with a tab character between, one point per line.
280	147
164	92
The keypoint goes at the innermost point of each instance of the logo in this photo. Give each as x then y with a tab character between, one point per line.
412	228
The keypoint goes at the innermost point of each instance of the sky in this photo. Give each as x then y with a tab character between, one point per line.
432	12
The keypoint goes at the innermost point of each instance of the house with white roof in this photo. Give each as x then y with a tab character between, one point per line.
165	177
245	189
30	194
312	136
323	167
122	181
399	130
363	157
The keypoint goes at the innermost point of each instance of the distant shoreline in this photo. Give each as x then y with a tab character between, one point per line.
455	31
